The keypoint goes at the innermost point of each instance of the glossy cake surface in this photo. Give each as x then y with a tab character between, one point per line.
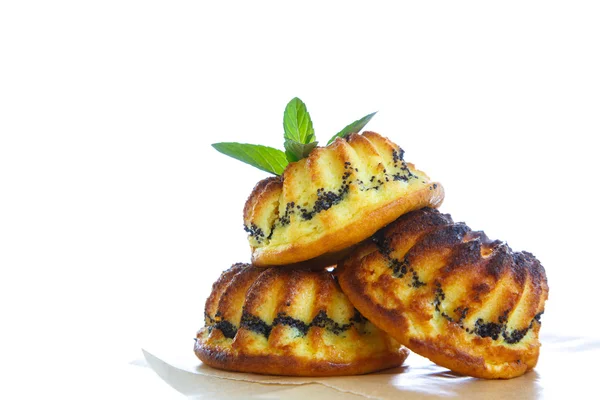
450	294
337	197
289	322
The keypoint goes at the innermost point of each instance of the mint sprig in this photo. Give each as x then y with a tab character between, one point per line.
262	157
299	141
298	131
354	127
297	124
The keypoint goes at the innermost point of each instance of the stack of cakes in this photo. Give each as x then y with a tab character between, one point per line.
351	262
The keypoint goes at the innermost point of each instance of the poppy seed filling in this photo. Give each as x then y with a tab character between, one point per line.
327	199
493	330
257	325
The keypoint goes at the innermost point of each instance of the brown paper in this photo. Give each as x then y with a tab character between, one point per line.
564	368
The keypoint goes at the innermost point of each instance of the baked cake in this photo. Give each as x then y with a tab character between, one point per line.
335	198
450	294
281	321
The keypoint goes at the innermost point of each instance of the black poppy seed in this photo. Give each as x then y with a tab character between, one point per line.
255	324
283	319
439	296
399	268
416	282
285	218
515	336
446	316
358	317
326	200
227	328
255	232
398	177
383	244
305	214
462	312
488	329
321	320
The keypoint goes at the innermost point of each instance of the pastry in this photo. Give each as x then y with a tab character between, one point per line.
450	294
332	200
281	321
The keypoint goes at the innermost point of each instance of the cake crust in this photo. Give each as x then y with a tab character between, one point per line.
450	294
287	365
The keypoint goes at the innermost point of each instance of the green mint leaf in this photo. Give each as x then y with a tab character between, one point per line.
354	127
295	151
262	157
291	157
297	124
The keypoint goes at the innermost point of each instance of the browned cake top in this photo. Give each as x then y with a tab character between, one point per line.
451	294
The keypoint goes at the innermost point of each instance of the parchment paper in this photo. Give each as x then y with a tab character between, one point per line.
565	368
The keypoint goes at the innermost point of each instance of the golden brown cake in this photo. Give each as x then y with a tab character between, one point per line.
338	196
289	322
450	294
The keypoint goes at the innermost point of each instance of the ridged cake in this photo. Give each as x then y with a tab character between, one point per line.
450	294
337	197
289	322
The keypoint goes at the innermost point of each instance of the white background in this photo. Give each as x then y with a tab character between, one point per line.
116	215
